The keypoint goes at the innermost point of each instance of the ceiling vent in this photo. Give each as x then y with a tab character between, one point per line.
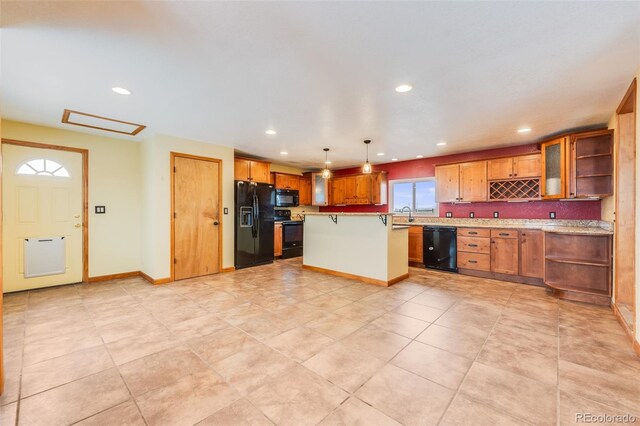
101	123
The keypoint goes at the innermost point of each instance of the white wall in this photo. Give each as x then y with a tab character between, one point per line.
155	164
114	181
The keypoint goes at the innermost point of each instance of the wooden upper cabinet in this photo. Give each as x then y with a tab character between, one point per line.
241	169
359	189
252	170
554	176
532	253
448	183
527	166
337	191
287	181
504	252
500	168
590	171
522	166
305	191
473	181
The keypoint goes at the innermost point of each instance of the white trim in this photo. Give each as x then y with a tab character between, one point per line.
413	213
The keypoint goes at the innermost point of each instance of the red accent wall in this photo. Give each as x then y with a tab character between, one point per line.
425	167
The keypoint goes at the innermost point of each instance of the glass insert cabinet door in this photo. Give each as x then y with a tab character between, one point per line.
319	190
554	168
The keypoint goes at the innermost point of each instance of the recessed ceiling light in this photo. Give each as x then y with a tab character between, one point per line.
394	159
524	130
441	143
284	153
419	156
121	90
270	132
404	88
380	154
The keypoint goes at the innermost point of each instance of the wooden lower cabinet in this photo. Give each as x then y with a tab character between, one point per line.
504	253
578	267
415	244
473	249
532	253
277	239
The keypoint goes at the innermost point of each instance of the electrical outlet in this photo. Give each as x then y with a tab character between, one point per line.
448	214
226	210
472	215
496	215
100	209
552	215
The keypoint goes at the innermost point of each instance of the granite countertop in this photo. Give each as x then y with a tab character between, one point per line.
400	227
347	214
589	227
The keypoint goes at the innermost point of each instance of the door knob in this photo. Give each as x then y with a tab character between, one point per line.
78	225
216	223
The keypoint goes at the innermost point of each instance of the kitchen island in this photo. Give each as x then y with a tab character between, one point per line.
362	246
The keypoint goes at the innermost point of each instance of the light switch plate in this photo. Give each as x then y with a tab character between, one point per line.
552	215
448	214
226	210
100	209
496	215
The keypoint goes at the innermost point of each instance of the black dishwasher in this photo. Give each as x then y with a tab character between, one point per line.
440	248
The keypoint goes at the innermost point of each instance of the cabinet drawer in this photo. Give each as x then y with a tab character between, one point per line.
474	232
504	233
477	261
473	244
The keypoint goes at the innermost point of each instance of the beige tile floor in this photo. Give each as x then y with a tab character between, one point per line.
278	344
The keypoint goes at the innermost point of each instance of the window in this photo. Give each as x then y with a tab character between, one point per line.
418	194
42	167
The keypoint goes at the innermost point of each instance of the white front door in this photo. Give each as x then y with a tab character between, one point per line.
42	199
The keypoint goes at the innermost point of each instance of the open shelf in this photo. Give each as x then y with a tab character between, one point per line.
577	261
582	157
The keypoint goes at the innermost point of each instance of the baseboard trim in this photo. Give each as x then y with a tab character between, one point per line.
636	347
229	269
113	276
356	277
153	281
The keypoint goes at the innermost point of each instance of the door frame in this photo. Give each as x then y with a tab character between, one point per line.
173	156
627	106
85	192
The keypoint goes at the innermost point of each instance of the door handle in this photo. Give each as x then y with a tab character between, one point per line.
78	225
216	223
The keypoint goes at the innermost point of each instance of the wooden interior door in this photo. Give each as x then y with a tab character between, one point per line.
525	166
448	183
197	226
473	181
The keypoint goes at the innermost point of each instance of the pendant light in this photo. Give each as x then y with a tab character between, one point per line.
326	173
366	168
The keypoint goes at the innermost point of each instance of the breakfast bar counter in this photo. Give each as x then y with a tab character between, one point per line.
362	246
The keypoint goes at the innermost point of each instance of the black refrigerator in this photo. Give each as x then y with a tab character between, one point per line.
254	223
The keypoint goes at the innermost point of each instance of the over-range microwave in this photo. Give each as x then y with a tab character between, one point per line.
286	198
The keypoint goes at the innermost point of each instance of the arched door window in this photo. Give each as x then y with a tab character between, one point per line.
42	167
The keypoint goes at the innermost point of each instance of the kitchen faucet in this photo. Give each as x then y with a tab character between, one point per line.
411	219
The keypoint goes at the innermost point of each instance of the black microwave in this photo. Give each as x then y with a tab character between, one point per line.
286	198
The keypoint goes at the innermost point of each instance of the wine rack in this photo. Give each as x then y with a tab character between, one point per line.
521	189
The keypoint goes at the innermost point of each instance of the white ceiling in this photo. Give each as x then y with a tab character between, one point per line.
323	73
